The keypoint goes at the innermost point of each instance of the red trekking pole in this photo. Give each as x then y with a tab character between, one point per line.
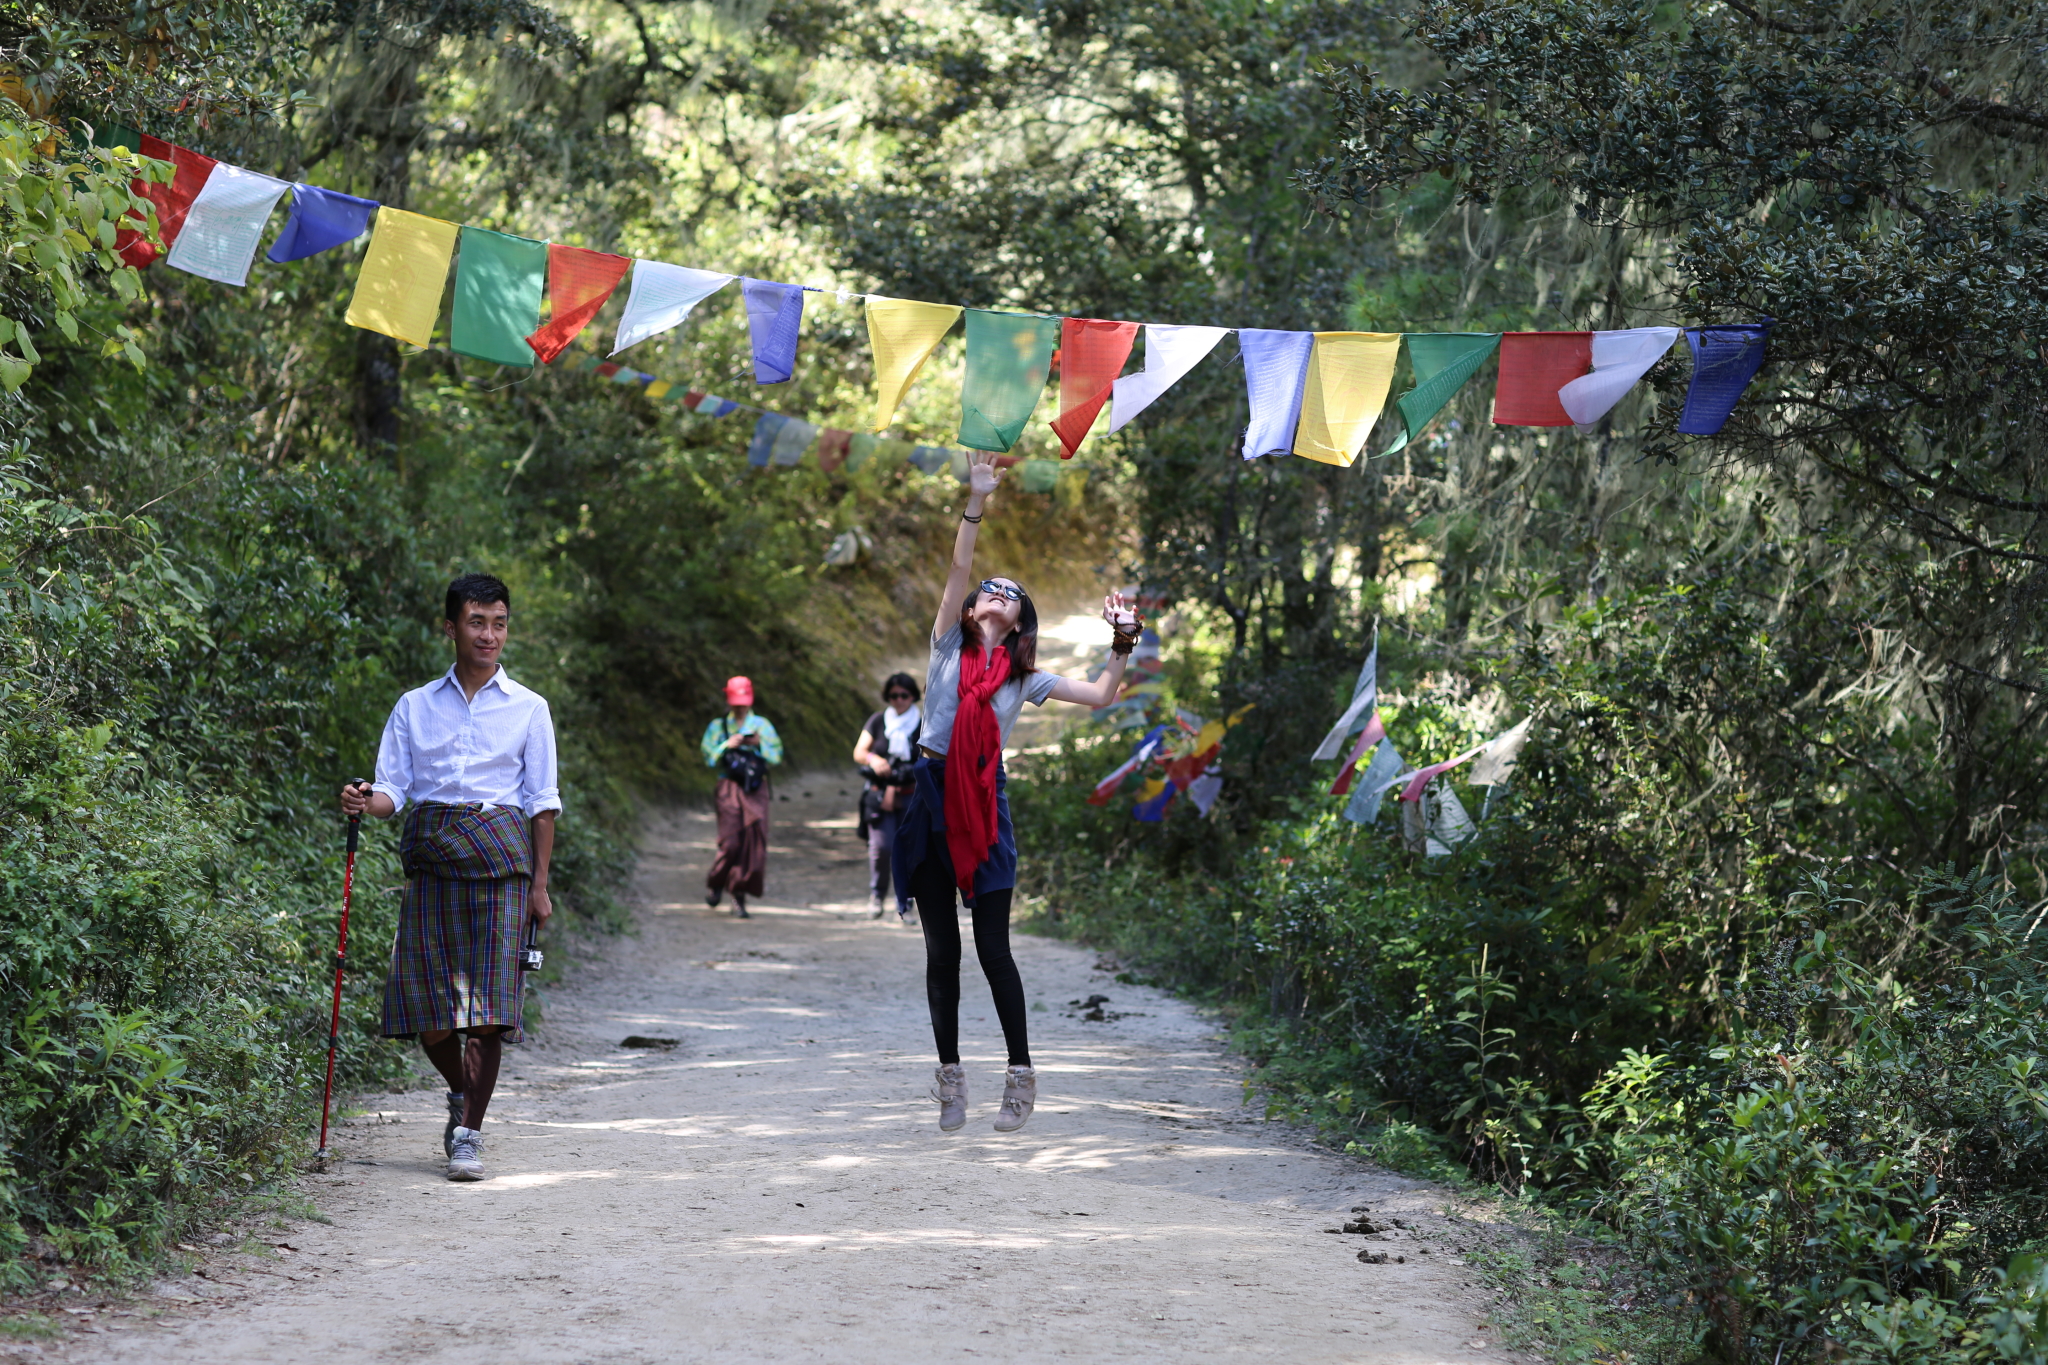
348	882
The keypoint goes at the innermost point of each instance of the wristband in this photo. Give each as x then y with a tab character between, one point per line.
975	519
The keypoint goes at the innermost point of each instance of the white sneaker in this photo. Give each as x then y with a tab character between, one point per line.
1020	1092
909	917
466	1161
456	1113
951	1093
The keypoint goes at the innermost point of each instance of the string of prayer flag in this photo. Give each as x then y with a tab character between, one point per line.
1443	362
1092	354
1275	371
1619	359
1170	352
1008	358
774	315
398	291
1533	367
320	220
1382	773
498	284
579	282
1500	756
661	297
1349	374
224	225
902	334
1724	360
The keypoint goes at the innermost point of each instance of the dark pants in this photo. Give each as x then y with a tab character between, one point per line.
938	911
881	843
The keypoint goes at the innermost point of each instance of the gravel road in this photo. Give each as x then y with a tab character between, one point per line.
774	1186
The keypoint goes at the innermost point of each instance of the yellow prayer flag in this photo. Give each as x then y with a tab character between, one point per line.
404	272
658	388
1348	377
902	334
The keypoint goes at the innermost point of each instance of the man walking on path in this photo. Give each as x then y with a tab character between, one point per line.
742	746
475	752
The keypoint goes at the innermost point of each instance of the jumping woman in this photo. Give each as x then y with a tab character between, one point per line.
955	834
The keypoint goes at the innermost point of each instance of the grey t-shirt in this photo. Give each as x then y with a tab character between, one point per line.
942	694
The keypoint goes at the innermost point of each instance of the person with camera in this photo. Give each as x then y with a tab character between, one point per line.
474	752
742	746
955	835
884	751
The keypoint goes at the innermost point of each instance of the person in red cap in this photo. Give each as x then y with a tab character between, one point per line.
742	746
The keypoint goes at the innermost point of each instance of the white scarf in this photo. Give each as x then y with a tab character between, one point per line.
896	730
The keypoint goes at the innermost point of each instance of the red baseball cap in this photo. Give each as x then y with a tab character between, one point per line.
739	691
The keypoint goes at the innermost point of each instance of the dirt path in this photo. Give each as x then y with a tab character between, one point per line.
776	1188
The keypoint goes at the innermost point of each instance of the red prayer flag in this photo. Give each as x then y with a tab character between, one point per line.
832	444
1533	367
172	200
691	399
608	370
1092	355
579	282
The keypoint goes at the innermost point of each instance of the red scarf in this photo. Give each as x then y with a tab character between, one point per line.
972	758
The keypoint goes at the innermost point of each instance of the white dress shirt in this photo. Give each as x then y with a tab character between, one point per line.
498	749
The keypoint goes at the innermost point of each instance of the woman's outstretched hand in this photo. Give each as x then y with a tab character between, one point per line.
982	474
1122	614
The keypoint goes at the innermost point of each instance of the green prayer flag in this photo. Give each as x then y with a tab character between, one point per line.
498	282
1008	356
1040	476
861	449
1442	362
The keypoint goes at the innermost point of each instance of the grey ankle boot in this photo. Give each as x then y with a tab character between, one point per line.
1020	1092
951	1093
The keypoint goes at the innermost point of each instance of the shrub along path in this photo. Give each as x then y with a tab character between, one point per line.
775	1186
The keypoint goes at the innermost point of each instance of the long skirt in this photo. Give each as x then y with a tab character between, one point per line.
921	833
741	866
455	961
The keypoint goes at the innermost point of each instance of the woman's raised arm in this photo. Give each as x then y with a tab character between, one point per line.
982	478
1124	621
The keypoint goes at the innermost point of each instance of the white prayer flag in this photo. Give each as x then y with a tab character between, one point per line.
1498	757
1449	825
1170	352
224	226
661	296
1619	360
1359	712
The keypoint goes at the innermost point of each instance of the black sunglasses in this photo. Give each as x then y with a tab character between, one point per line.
1009	590
899	696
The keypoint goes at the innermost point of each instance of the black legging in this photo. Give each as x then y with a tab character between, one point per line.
938	912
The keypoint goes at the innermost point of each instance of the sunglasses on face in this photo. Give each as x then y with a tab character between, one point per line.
1009	590
897	696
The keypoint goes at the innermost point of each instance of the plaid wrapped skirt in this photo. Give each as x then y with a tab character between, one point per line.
455	963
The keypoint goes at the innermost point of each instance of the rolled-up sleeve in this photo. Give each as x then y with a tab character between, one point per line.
394	758
771	742
537	783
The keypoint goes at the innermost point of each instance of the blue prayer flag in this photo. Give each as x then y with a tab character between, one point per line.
1275	372
763	444
773	313
320	220
1724	360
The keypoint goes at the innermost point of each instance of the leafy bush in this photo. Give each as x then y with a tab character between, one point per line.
1862	1173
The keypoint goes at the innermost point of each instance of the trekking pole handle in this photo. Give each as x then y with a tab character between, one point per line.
355	822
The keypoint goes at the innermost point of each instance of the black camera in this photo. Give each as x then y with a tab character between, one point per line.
530	957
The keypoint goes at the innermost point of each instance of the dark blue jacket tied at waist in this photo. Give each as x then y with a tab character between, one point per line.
921	834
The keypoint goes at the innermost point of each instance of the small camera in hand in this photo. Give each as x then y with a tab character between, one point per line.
530	957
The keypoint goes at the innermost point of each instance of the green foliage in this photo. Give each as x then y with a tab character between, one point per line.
1859	1174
